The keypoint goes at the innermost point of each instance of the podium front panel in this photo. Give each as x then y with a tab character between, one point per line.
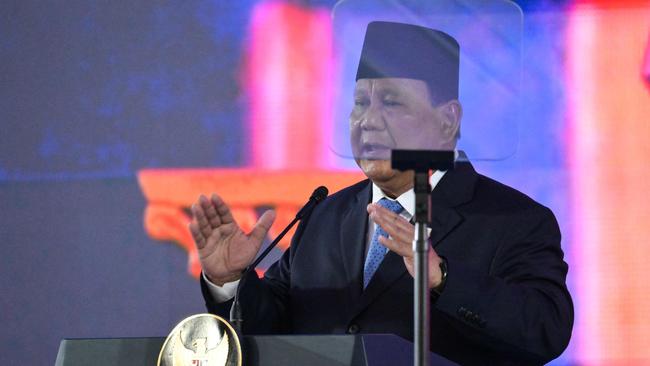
312	350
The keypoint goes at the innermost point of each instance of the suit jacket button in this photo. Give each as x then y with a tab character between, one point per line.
353	329
468	316
462	311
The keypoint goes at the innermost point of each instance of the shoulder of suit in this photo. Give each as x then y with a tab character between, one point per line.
344	195
502	196
349	191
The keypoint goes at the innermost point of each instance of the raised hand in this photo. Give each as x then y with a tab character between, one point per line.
224	249
401	241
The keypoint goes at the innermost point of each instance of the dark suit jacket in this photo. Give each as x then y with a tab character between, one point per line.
505	300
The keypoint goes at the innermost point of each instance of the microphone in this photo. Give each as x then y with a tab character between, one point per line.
316	197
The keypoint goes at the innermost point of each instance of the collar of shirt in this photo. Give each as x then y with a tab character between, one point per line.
406	199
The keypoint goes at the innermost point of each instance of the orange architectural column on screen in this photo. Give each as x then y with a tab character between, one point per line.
170	193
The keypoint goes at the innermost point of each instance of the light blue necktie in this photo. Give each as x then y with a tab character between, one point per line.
377	251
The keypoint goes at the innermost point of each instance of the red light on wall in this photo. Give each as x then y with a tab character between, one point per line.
289	86
645	68
612	3
608	152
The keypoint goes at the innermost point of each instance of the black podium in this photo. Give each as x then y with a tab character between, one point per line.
312	350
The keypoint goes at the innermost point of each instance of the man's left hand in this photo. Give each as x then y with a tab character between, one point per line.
401	234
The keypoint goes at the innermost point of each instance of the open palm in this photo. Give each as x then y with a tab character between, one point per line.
224	249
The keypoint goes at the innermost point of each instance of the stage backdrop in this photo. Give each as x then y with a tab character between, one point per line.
114	117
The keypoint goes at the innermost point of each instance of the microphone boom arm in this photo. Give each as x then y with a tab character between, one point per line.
317	196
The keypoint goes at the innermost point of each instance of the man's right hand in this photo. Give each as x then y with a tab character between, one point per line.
224	249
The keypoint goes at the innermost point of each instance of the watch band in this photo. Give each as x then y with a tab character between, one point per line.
443	269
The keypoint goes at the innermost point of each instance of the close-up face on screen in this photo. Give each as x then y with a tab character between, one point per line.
420	76
399	113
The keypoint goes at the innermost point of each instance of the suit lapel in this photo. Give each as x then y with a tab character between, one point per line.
353	240
455	188
443	221
389	271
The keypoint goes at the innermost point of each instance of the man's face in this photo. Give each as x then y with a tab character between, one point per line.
395	113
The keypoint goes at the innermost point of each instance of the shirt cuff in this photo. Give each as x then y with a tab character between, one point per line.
221	293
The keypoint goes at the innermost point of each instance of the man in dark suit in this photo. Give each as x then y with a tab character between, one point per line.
496	274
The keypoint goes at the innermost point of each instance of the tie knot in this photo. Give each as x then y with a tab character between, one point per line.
391	205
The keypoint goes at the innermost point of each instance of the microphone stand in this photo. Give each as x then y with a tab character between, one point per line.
421	162
236	318
421	335
235	311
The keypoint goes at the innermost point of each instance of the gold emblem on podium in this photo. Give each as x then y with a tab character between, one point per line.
201	340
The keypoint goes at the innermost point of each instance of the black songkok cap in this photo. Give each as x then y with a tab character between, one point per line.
398	50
